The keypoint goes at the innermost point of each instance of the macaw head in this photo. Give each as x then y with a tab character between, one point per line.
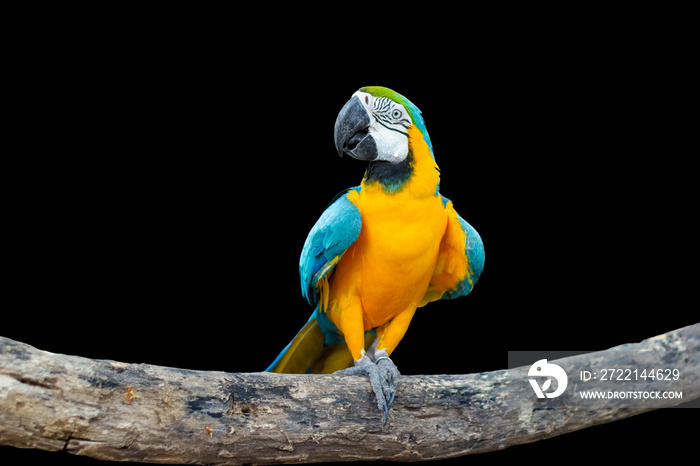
373	126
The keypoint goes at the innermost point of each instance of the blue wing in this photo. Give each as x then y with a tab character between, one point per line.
473	251
333	233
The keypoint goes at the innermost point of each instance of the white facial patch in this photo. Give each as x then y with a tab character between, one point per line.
391	145
388	126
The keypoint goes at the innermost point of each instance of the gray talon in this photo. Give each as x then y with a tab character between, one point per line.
383	376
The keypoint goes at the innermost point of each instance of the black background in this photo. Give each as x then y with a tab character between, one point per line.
158	193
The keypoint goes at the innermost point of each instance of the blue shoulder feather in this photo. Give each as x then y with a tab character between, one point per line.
334	232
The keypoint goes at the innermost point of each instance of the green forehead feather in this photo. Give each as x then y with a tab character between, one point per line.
379	91
413	111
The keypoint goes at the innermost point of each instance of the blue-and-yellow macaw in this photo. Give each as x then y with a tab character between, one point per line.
380	250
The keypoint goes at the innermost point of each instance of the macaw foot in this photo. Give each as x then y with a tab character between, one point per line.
383	376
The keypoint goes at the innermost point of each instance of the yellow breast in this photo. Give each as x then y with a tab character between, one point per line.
397	252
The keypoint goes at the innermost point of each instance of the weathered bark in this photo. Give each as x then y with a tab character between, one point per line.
139	412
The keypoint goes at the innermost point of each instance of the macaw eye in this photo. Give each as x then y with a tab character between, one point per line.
396	114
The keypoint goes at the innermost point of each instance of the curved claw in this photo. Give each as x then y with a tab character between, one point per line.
383	376
390	375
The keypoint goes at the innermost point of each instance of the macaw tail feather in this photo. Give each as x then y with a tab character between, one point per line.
301	353
309	354
338	357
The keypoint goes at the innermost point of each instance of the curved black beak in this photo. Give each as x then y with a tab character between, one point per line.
351	132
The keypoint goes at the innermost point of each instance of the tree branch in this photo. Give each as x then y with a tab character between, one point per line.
138	412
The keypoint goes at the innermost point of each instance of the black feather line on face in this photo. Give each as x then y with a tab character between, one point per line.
391	176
